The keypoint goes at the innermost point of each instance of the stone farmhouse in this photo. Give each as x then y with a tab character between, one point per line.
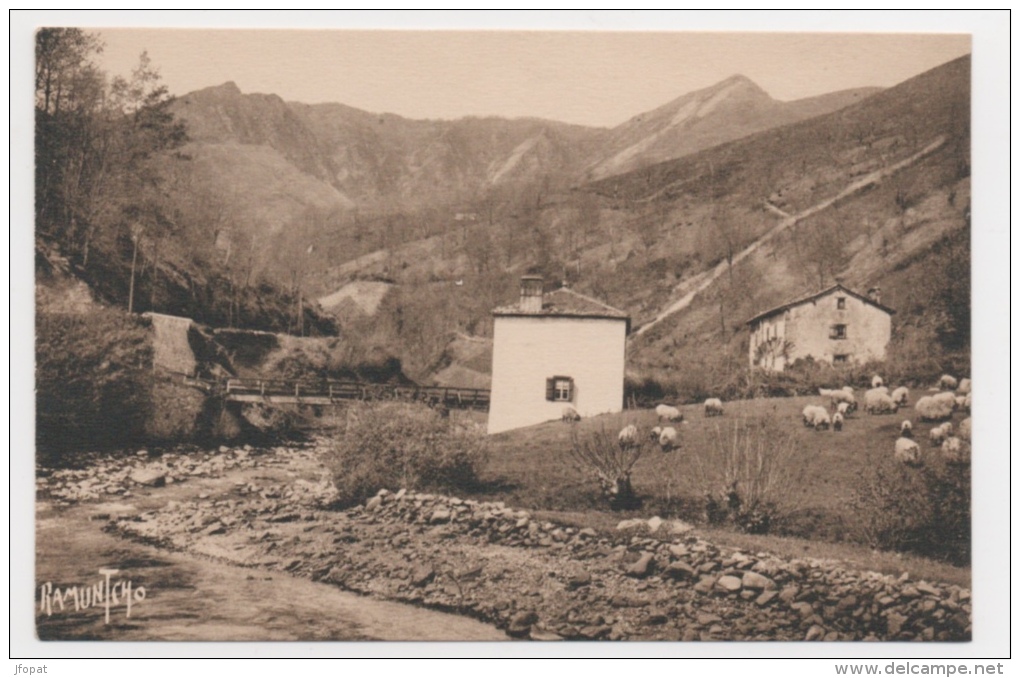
553	351
836	325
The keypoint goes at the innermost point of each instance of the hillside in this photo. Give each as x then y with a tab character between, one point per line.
874	193
354	183
731	109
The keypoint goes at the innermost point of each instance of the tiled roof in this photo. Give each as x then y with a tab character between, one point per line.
818	295
565	302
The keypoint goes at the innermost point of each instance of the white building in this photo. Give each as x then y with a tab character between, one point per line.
837	326
552	351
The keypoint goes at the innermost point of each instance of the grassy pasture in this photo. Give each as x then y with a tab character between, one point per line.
532	467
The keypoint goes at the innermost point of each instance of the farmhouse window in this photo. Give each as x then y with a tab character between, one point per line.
559	389
837	332
841	303
840	359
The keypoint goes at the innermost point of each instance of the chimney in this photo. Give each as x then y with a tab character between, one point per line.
531	294
875	294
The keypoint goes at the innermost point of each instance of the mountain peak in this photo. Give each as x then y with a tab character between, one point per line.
227	89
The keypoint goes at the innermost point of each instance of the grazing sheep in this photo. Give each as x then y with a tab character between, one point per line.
930	409
837	422
848	389
809	413
843	409
961	401
964	387
876	381
939	434
570	414
668	412
953	450
628	436
816	417
906	429
966	402
907	452
947	399
964	430
842	396
713	407
900	395
669	439
947	383
655	433
877	401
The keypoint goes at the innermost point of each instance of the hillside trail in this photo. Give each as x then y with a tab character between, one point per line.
193	598
702	281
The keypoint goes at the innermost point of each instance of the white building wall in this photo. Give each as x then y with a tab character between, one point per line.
528	350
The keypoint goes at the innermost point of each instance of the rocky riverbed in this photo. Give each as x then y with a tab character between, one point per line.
648	580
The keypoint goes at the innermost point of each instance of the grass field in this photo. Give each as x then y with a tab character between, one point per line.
533	468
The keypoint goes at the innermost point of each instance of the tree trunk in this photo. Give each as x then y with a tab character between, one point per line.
131	285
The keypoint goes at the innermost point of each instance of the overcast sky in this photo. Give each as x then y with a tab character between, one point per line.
591	78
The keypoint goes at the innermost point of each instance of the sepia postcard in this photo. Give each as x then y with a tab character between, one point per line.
661	337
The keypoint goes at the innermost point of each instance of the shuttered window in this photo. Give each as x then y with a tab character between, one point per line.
837	332
559	389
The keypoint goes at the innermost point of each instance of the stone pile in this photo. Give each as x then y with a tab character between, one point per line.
105	476
537	579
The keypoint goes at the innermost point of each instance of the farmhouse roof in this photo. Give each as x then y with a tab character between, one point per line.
566	303
818	295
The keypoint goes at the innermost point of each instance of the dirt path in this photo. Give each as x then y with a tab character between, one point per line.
190	598
703	281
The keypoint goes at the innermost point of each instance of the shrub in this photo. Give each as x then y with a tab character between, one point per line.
745	473
93	381
600	453
924	510
403	445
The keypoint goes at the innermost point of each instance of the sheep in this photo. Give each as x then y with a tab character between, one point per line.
906	429
628	437
900	395
947	383
966	402
953	450
964	387
837	422
668	439
655	433
961	401
842	396
809	413
570	414
964	430
877	401
947	399
843	409
930	409
907	452
816	417
668	412
876	381
938	434
713	407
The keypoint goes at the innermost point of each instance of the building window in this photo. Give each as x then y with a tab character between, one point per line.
841	303
841	359
559	389
837	332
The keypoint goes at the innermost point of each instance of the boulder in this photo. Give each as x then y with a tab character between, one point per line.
643	567
150	477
